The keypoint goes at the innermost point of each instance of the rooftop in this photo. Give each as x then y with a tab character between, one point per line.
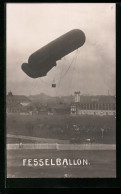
97	99
20	98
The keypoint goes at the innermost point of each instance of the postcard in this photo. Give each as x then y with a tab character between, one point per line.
61	90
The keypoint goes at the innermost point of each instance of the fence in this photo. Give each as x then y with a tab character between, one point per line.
56	146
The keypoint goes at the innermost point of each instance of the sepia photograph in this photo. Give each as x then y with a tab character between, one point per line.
60	90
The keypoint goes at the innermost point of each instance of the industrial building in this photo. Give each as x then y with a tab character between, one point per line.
93	105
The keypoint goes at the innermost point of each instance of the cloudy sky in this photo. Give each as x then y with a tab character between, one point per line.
31	26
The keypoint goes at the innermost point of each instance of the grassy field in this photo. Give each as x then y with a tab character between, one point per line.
102	164
61	127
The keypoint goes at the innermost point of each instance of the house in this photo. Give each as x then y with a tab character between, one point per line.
16	103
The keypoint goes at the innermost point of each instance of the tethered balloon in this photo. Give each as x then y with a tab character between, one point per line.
44	59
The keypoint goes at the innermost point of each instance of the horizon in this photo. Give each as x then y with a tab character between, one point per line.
60	96
90	69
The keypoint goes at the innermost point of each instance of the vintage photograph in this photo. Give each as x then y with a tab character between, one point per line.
61	90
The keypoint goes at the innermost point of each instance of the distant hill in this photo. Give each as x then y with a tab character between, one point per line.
45	99
50	100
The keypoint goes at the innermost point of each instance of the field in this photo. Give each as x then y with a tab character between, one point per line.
101	164
44	128
61	127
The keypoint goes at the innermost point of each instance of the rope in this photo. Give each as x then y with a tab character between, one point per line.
72	62
60	79
70	83
62	75
48	83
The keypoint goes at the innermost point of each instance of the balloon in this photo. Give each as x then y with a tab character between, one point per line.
44	59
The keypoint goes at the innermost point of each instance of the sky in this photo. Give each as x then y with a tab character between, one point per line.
91	69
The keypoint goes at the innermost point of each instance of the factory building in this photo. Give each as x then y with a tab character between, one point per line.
93	105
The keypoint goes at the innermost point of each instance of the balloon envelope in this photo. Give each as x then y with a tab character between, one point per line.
44	59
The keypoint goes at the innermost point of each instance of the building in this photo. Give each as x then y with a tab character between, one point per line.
16	103
77	96
94	105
